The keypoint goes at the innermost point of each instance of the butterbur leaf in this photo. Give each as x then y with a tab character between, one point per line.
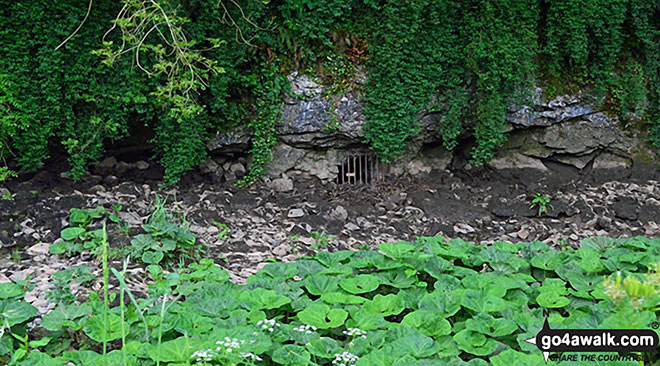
428	322
291	355
323	347
322	316
475	343
342	298
360	284
152	257
261	298
66	316
9	290
397	250
176	350
320	284
416	345
483	302
442	302
511	357
71	233
332	259
552	299
548	260
59	247
385	305
490	326
98	330
365	320
14	312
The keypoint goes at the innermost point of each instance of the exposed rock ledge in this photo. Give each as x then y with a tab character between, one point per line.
568	130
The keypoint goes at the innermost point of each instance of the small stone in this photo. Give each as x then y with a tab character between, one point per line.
339	213
19	276
142	165
107	163
97	188
573	237
523	234
296	212
4	192
280	250
351	226
238	169
38	249
3	278
110	179
283	185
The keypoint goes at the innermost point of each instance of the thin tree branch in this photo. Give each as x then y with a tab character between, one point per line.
89	10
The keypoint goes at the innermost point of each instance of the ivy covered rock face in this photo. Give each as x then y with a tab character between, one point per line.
178	71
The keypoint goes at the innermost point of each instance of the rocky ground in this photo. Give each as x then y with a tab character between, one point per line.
296	215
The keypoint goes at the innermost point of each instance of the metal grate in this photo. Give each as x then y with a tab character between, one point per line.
359	168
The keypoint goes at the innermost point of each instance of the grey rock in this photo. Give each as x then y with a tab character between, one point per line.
282	185
351	226
611	161
514	160
38	249
295	213
210	166
107	163
142	165
578	161
236	140
339	213
238	169
285	158
4	192
304	85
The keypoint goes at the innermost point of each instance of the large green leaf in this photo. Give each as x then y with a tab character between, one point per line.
71	233
397	250
385	305
13	312
291	355
552	299
428	322
109	329
475	343
9	290
66	316
323	316
441	302
260	298
176	350
360	284
483	302
320	284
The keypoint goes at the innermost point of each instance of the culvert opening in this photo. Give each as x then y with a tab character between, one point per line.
359	168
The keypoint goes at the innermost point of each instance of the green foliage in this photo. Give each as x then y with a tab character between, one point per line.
82	233
541	201
166	238
430	301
